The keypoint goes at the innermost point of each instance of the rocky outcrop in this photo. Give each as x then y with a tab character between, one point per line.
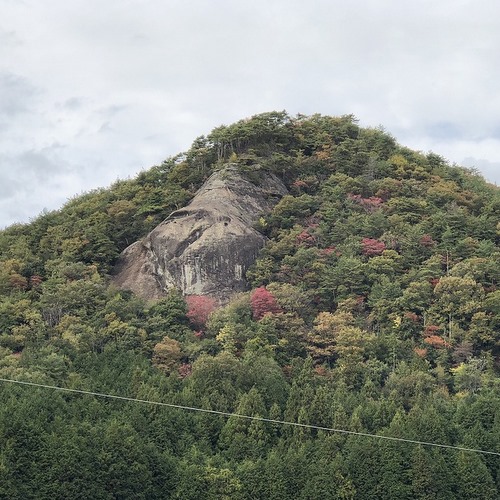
206	247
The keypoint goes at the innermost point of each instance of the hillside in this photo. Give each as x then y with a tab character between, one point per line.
373	307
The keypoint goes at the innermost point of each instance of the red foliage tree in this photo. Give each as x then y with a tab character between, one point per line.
431	330
299	185
411	316
199	309
372	246
432	337
185	370
420	352
427	241
327	251
306	238
370	204
436	341
35	280
434	282
263	302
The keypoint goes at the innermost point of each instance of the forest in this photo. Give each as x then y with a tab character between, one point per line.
374	308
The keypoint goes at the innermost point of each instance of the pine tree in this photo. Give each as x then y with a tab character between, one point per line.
473	478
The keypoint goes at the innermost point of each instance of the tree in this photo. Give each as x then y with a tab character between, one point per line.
431	476
417	297
167	316
327	480
216	374
468	376
372	246
167	355
458	299
335	336
243	438
322	339
474	479
199	309
292	298
221	484
263	302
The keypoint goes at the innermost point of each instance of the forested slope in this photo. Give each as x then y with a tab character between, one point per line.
375	308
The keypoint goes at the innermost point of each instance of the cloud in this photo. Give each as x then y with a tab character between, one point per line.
8	39
16	95
122	90
490	169
31	181
73	103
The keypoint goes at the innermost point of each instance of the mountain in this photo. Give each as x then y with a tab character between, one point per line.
368	302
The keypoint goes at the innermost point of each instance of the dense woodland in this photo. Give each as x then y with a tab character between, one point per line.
374	307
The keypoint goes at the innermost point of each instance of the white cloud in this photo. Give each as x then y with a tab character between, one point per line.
104	89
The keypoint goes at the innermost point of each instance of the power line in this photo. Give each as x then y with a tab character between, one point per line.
248	417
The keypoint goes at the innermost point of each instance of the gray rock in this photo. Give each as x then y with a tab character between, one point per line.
206	247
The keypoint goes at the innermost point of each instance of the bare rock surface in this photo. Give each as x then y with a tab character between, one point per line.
206	247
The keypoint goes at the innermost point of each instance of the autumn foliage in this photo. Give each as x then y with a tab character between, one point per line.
436	341
427	241
306	238
432	337
199	309
372	246
420	352
263	302
370	204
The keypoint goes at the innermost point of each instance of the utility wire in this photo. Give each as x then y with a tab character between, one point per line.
248	417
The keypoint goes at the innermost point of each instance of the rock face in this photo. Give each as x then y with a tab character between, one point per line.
206	247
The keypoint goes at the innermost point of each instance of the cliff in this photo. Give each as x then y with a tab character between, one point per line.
206	247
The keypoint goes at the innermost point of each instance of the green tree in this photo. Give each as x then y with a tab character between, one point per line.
474	479
245	438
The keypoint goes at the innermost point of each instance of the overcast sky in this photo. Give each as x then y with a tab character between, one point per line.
92	91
